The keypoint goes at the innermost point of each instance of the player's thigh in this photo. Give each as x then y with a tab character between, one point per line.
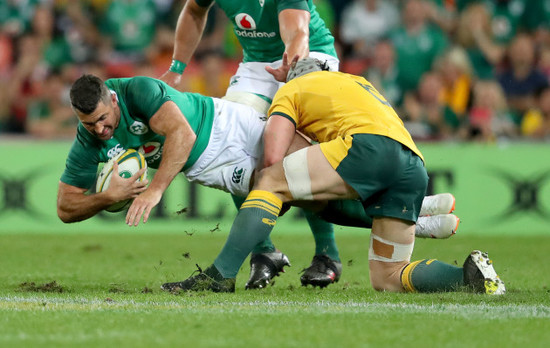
326	183
390	179
233	150
251	77
304	175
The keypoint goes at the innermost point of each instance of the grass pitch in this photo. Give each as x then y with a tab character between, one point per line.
103	290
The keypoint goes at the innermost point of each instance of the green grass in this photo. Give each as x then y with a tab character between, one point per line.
106	293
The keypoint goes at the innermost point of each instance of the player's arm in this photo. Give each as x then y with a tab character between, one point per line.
294	30
279	134
169	122
189	29
73	204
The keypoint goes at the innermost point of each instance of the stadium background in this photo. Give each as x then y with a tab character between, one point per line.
469	79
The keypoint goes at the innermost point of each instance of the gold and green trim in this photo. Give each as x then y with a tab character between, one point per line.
263	200
406	276
278	113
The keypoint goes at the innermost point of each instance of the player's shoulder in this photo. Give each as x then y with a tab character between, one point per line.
143	81
131	82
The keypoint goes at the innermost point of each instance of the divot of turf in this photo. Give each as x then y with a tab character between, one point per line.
182	211
47	287
92	247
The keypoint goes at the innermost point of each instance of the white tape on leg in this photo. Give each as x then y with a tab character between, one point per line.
297	175
387	251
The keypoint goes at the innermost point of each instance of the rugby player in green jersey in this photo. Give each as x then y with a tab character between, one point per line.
266	29
207	139
364	155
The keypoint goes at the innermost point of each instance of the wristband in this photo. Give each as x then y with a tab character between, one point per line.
177	66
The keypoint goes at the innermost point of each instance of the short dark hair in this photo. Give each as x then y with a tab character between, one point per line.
86	93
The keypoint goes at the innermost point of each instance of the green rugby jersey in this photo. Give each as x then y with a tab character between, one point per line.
139	98
256	24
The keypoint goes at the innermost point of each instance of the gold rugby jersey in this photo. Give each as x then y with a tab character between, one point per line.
325	105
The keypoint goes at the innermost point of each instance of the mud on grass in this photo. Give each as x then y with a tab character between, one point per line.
47	287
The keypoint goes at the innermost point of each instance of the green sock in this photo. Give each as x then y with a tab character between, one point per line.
254	222
323	233
431	276
349	212
265	246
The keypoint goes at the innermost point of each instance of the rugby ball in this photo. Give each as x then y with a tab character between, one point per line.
129	163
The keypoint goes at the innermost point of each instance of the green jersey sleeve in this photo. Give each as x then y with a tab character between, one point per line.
292	4
82	161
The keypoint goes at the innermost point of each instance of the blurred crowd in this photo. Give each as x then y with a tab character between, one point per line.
463	70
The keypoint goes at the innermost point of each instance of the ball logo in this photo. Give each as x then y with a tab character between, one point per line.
244	21
138	128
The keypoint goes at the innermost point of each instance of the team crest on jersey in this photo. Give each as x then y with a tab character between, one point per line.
138	128
245	21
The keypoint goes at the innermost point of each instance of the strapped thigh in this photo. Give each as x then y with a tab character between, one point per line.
297	175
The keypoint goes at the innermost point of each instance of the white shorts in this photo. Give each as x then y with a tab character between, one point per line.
234	149
253	78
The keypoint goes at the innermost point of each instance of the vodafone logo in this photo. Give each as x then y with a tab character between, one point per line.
245	21
152	151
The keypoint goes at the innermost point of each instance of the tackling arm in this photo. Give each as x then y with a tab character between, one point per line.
169	122
189	30
279	134
73	204
294	30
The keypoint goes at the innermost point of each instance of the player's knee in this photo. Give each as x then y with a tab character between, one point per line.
386	261
269	179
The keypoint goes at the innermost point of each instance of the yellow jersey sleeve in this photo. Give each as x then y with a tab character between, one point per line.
286	102
325	105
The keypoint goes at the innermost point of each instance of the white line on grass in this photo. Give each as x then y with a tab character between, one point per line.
18	303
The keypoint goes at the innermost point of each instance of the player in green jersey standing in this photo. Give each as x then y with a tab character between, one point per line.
266	29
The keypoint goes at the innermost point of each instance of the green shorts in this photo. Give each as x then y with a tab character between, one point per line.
390	179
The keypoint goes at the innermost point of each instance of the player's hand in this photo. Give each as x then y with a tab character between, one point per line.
141	206
281	72
171	78
126	188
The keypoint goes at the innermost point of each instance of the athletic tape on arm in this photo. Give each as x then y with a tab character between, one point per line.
297	175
